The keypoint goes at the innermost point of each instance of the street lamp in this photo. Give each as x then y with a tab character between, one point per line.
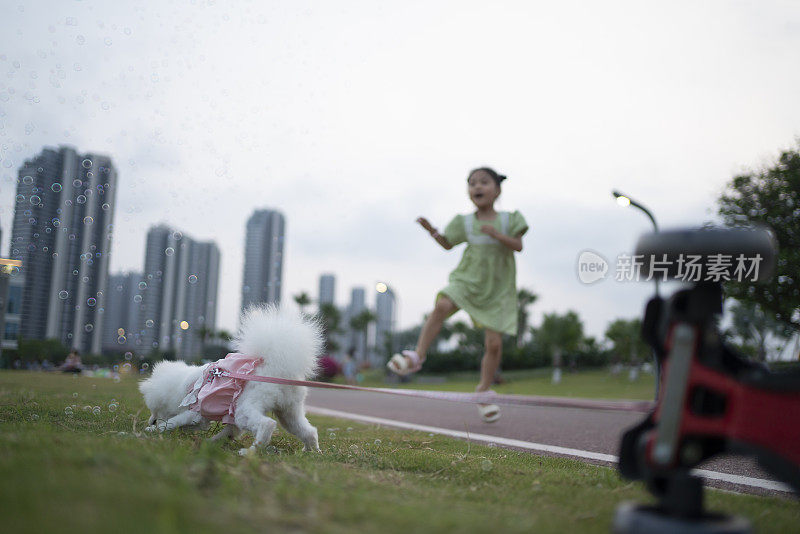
625	200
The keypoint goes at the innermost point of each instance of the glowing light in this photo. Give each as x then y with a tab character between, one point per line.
380	287
184	325
623	201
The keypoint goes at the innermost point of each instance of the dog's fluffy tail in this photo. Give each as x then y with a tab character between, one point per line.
288	341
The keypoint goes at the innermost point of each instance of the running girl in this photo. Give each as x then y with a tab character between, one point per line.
484	284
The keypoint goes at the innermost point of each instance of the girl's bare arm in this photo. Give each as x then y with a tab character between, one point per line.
434	233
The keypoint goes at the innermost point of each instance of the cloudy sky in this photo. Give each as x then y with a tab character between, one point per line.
354	118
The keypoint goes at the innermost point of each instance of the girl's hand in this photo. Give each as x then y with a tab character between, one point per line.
489	230
425	224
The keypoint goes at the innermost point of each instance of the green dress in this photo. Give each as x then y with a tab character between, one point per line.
485	282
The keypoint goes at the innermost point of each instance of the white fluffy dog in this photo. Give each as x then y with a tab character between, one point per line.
289	345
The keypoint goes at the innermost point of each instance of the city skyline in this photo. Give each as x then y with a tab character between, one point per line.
355	119
383	326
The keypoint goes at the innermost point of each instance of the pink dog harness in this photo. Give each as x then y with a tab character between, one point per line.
214	395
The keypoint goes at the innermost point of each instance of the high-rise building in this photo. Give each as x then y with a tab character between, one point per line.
178	293
63	222
263	258
327	289
121	321
385	312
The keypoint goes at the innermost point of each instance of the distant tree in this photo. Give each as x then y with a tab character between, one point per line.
559	335
31	350
204	333
751	329
525	298
405	339
360	323
224	335
470	340
302	299
770	196
626	341
330	317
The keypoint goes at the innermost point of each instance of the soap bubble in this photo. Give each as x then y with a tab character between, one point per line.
192	279
332	435
63	294
112	407
88	220
169	251
75	395
87	163
89	327
145	366
354	448
486	465
377	442
349	428
68	410
35	417
96	410
56	187
137	298
142	285
149	323
91	301
121	340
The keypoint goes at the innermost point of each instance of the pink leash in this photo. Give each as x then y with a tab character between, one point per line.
486	397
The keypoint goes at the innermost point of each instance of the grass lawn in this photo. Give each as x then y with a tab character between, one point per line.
92	471
595	384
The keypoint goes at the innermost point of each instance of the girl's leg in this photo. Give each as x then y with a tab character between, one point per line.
491	359
443	309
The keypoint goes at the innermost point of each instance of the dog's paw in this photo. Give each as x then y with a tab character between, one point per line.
151	428
250	451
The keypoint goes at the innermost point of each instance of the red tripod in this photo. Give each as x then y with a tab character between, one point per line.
711	400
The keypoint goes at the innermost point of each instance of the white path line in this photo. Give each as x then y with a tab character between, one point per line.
540	447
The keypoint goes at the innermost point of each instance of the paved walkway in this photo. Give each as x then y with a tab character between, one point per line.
589	435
